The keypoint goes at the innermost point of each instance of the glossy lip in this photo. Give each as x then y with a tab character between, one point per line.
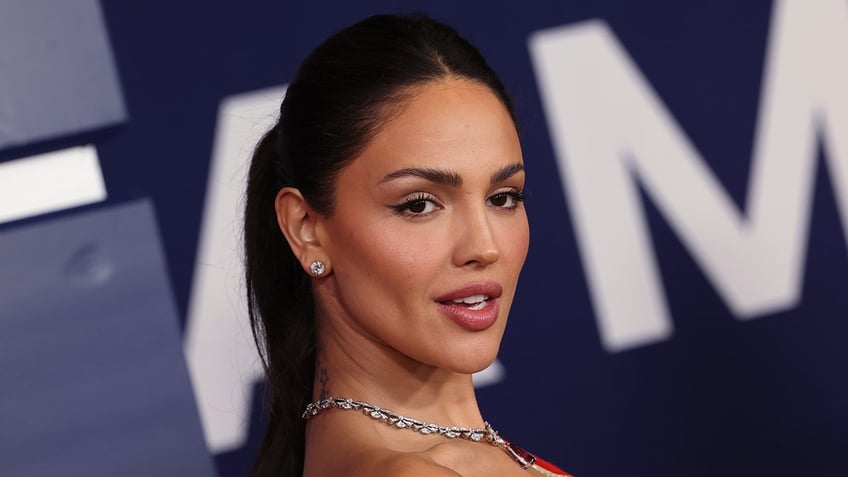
473	320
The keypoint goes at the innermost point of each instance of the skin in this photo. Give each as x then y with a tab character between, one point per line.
396	242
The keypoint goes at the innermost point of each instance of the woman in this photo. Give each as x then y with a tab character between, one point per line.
384	235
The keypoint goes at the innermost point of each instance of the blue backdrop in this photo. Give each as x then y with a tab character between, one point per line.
683	306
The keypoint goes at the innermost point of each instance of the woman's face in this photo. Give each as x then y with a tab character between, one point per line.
429	232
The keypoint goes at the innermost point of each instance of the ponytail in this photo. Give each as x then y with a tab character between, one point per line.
280	305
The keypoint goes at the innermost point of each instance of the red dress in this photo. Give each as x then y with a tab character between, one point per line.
546	468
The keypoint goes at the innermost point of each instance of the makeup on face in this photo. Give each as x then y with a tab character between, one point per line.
429	233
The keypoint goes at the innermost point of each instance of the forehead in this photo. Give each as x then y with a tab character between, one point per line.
451	124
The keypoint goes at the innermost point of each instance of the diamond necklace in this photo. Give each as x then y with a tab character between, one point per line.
519	455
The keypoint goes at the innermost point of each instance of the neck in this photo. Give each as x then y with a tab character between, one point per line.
350	365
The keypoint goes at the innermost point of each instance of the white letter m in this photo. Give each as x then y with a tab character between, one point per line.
610	129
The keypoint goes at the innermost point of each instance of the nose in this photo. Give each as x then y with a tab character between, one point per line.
475	241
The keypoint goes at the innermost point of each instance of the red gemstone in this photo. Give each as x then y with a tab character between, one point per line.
523	453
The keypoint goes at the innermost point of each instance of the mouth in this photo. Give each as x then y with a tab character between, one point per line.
474	306
472	294
473	302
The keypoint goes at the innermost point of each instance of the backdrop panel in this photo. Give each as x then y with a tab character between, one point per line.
90	354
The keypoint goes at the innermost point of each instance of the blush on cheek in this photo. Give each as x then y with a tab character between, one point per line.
411	253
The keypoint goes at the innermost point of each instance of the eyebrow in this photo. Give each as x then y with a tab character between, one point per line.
441	176
438	176
506	172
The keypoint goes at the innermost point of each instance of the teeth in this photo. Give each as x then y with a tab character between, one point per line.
474	299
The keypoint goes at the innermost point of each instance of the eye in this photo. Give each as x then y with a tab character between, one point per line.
507	199
421	204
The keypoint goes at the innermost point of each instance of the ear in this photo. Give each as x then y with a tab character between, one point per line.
298	223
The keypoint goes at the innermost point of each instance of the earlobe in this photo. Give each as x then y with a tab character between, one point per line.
297	222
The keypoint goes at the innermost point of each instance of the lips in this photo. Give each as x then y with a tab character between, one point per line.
474	307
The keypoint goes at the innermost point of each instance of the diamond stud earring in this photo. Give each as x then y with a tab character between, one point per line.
317	268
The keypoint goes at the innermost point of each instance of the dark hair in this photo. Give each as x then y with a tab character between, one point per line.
342	93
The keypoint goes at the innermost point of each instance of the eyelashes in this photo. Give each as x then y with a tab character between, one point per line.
419	204
422	204
508	200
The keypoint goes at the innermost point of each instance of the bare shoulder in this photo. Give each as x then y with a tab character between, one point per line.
401	465
412	465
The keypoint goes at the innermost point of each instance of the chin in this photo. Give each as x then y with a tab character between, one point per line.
471	362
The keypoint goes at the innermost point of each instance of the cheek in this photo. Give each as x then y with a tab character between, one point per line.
516	241
400	264
391	257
